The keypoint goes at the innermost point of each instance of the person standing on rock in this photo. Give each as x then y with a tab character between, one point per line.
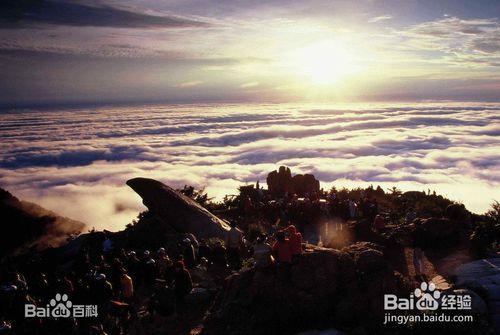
234	241
262	253
353	209
418	254
283	255
295	243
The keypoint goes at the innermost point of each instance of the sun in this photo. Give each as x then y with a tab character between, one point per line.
324	63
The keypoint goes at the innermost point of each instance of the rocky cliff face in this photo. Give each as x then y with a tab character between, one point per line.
25	225
176	210
327	288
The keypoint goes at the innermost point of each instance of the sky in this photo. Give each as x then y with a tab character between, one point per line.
92	52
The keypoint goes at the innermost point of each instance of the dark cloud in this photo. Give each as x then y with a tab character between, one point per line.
29	13
69	158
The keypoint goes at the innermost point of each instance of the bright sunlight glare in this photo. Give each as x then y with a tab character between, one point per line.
324	63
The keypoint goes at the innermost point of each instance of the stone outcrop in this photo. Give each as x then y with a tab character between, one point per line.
430	232
483	276
439	229
26	225
281	182
327	288
180	212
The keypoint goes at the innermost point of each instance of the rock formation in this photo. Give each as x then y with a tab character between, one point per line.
177	210
26	225
327	288
483	276
281	182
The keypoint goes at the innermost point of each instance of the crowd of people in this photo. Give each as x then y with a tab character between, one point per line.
125	283
108	278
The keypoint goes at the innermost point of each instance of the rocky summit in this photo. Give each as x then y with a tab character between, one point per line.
326	287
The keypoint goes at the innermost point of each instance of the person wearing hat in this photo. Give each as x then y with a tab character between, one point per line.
164	264
102	289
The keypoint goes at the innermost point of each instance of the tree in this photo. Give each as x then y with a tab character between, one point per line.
395	191
494	212
197	195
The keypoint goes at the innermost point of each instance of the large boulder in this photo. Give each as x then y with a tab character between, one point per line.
483	276
280	182
180	212
326	288
305	184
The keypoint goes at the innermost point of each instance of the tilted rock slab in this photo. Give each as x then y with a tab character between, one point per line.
179	211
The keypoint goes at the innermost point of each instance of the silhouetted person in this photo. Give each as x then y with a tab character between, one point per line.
234	242
127	286
188	253
283	255
418	253
101	289
204	251
182	285
295	243
219	254
262	253
163	299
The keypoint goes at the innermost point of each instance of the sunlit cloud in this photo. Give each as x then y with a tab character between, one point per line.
249	84
190	83
380	18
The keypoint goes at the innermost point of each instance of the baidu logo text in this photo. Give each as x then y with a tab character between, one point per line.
427	297
60	307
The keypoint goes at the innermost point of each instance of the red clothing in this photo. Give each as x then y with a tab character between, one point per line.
282	251
295	241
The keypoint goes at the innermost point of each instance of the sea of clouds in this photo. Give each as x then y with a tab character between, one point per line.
76	161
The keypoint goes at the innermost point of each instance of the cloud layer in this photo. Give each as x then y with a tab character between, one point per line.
76	161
